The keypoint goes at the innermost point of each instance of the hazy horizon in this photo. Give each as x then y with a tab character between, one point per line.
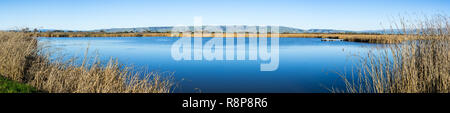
302	14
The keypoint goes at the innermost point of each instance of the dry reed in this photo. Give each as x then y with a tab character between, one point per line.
23	60
416	66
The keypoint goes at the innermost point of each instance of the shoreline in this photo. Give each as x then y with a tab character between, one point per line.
367	38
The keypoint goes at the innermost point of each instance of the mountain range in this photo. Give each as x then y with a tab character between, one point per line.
282	29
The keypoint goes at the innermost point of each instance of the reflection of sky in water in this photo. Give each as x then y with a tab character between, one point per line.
306	64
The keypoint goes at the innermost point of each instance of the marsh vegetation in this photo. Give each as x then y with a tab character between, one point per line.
24	61
421	65
368	38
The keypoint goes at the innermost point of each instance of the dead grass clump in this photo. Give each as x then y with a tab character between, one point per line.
22	60
421	65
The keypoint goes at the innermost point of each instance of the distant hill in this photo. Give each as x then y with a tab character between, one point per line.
169	28
283	29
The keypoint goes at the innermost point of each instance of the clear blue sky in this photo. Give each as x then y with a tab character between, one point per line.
305	14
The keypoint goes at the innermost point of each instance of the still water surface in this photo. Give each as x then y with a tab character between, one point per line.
306	65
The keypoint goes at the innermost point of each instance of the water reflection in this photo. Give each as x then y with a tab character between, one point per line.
306	65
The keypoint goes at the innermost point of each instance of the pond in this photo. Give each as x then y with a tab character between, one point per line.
305	65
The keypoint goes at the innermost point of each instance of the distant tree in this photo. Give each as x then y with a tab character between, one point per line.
25	30
102	31
147	31
58	31
35	30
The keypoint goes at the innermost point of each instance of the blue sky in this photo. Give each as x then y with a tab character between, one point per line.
305	14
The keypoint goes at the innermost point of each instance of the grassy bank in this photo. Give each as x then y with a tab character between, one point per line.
419	66
10	86
24	61
368	38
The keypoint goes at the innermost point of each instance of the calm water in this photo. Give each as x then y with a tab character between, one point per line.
306	65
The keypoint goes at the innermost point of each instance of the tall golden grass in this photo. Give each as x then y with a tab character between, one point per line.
96	34
368	38
23	60
417	66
